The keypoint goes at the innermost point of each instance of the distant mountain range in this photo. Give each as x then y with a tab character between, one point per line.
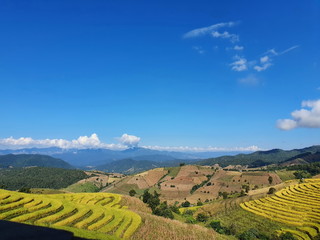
140	159
130	166
97	157
261	158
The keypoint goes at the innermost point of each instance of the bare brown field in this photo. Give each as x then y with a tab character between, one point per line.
101	179
149	178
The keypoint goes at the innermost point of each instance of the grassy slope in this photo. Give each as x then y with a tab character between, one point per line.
285	175
244	220
173	171
159	228
82	187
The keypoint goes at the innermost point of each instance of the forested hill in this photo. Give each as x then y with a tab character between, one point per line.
130	166
39	177
259	158
29	160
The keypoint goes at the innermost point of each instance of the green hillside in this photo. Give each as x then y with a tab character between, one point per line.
27	160
39	177
259	158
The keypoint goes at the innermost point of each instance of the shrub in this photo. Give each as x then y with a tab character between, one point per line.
270	179
199	203
191	220
288	236
185	204
201	217
132	192
188	212
272	190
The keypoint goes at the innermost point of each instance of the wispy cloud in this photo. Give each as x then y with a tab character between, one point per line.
207	30
275	53
251	80
198	49
238	48
266	61
226	35
204	149
265	64
307	118
240	64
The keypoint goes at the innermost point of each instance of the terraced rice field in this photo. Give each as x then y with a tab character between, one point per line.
297	206
94	215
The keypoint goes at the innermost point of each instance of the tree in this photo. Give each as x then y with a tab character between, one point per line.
199	203
132	192
216	225
287	236
201	217
272	190
188	212
246	187
146	196
270	180
225	195
182	164
185	204
25	190
302	174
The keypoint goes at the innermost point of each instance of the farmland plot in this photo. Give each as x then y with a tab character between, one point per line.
94	215
297	205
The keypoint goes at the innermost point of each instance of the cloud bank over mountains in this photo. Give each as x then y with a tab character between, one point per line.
93	142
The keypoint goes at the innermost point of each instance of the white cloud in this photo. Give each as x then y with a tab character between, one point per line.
129	140
240	64
207	30
85	142
238	48
226	35
82	142
265	62
308	118
249	80
262	67
264	59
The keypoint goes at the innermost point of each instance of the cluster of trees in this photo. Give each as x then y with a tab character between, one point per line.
306	170
39	177
250	234
157	207
197	186
253	234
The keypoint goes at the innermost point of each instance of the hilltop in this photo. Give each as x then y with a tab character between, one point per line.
194	183
31	160
260	158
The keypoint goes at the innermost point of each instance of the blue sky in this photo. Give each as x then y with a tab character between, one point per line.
171	73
